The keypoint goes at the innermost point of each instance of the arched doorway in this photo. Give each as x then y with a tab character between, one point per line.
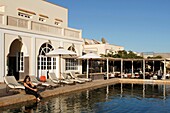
18	64
45	64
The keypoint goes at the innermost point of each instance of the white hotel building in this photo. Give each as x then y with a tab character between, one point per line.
28	30
91	45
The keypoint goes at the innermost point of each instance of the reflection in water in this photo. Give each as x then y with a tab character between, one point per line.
164	91
30	108
107	92
143	90
121	89
114	98
87	94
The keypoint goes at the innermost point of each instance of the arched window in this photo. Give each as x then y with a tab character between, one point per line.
71	63
45	62
72	48
45	48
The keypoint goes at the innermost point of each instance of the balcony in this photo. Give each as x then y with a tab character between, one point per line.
43	28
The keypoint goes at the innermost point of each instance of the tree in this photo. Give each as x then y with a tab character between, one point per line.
156	57
103	40
123	54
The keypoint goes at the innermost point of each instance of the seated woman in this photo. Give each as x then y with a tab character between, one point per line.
30	88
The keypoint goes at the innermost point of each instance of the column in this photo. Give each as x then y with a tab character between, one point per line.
153	66
121	68
164	76
143	68
107	68
132	70
2	57
101	69
101	66
33	64
59	66
87	74
160	68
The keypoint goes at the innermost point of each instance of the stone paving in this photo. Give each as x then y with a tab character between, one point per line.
21	97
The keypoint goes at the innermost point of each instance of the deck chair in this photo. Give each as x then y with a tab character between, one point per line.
48	83
12	83
54	78
52	83
65	77
73	75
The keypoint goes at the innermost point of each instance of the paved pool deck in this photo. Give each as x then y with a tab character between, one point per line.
24	98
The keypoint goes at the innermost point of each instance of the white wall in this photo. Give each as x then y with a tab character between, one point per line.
102	48
2	61
39	7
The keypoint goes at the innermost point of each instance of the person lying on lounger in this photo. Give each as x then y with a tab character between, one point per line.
30	88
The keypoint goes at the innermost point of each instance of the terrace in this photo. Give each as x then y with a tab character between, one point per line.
25	25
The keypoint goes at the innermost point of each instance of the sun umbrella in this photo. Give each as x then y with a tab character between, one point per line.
89	56
59	52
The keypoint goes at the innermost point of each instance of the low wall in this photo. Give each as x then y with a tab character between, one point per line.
146	81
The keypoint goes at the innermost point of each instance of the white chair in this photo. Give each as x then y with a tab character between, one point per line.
125	76
12	83
48	83
54	78
155	77
69	77
72	74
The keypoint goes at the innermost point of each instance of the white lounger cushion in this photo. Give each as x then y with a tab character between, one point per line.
75	77
12	82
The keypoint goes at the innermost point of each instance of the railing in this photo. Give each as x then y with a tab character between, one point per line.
71	33
17	22
68	32
46	28
56	30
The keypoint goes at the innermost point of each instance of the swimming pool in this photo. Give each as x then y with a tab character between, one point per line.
117	98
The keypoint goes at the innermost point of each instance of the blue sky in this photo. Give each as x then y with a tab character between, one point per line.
138	25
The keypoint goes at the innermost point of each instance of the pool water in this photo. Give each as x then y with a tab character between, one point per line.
117	98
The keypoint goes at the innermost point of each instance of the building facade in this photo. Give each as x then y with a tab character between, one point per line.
153	54
29	30
91	45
